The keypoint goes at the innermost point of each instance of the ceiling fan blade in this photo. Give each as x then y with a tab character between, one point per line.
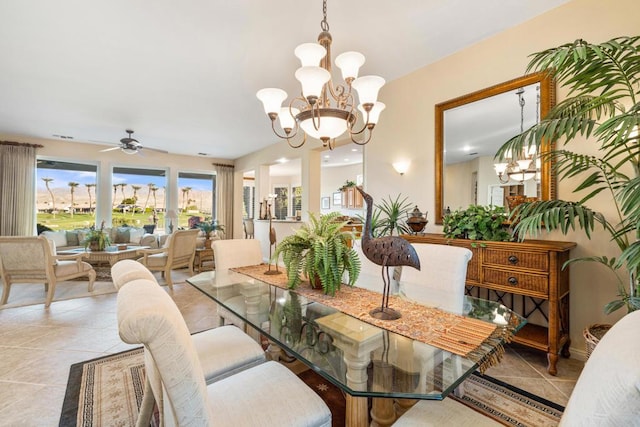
156	149
110	149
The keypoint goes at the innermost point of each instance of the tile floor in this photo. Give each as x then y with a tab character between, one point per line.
37	347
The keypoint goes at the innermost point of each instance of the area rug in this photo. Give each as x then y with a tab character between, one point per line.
107	392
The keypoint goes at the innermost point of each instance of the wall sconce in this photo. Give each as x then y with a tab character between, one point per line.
401	167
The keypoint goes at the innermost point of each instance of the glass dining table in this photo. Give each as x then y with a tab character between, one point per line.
365	361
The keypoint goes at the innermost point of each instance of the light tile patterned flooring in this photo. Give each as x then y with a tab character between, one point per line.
37	346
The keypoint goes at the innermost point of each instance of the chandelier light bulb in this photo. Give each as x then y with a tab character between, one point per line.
287	117
310	54
312	80
350	63
368	87
374	113
500	168
330	127
272	99
524	164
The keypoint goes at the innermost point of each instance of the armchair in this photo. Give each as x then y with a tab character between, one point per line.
33	260
178	252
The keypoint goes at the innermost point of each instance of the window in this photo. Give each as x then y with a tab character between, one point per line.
196	198
138	196
65	194
296	200
248	198
281	202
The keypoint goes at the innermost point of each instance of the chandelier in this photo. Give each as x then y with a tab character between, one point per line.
325	111
524	165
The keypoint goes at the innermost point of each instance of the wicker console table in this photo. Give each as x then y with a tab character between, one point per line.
527	277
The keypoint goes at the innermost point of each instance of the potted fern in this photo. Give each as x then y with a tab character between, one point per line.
320	251
602	107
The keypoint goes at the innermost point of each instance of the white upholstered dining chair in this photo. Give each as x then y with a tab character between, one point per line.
179	252
443	273
222	351
233	253
33	260
148	316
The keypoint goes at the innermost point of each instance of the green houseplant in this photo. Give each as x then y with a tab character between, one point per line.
602	108
390	216
319	248
208	227
96	239
477	222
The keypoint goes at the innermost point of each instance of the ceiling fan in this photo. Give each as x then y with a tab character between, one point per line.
131	145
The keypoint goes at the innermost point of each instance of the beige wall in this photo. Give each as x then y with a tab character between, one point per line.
406	128
407	125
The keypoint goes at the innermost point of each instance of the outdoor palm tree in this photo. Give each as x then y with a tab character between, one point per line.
185	195
72	189
115	194
53	199
602	107
89	187
146	201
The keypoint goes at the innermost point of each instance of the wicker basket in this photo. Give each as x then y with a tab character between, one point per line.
593	334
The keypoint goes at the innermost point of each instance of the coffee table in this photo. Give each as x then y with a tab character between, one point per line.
96	257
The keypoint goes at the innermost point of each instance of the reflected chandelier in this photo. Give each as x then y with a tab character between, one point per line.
525	165
325	111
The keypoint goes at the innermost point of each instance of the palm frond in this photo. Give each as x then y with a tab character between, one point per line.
593	68
531	218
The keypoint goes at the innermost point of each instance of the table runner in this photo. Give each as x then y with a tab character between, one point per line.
472	338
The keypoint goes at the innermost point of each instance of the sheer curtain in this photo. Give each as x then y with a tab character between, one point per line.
17	188
224	197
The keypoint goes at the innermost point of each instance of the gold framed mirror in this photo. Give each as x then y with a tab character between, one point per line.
468	132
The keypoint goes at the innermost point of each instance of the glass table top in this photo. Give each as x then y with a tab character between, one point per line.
338	346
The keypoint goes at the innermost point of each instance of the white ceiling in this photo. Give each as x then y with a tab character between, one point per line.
184	75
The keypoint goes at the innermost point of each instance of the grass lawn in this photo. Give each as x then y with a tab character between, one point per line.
65	221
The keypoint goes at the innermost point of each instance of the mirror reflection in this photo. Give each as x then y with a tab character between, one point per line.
469	131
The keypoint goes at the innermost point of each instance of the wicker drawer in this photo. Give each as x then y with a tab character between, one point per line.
518	283
538	261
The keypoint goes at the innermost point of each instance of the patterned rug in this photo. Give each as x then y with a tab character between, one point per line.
108	391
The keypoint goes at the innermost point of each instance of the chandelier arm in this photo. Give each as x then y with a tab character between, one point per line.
315	110
304	139
364	141
286	136
501	179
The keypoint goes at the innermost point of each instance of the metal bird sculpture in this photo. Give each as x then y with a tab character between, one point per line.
388	251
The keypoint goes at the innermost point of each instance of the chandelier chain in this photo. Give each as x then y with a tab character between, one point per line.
324	25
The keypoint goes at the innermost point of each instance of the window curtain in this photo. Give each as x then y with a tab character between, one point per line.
224	197
17	188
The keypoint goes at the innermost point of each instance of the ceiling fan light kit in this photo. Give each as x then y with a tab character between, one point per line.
325	111
129	145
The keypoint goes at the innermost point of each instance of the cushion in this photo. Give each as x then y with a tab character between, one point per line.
135	234
156	260
82	235
122	235
58	237
72	238
66	268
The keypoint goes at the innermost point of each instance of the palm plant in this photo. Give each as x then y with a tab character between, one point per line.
602	106
396	213
319	248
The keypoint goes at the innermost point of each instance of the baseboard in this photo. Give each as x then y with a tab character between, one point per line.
578	354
